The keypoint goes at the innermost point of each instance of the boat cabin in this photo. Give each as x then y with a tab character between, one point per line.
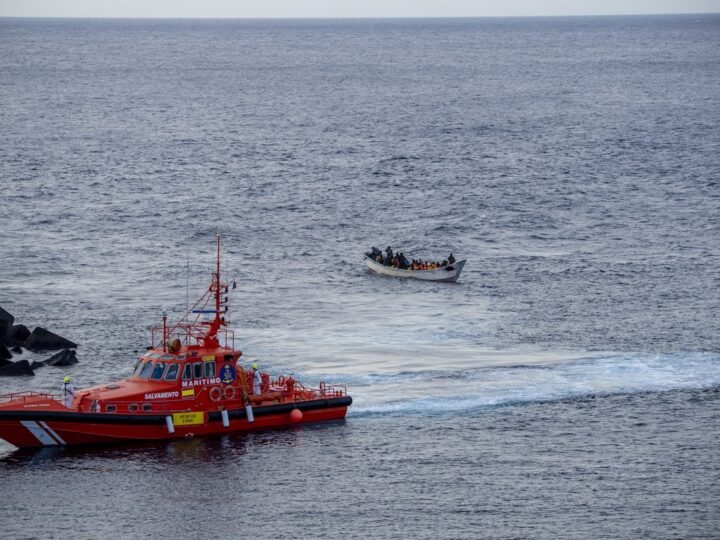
161	381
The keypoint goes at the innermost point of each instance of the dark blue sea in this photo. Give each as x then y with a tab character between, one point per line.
567	387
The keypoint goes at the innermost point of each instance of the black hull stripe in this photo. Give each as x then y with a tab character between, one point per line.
147	419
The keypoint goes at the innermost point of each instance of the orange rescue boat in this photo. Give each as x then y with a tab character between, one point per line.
188	383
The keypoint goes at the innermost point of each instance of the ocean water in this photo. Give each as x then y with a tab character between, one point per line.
568	386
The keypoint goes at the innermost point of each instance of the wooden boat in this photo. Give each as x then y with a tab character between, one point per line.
189	382
444	273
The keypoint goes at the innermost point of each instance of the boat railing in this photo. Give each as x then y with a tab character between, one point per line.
331	390
188	335
291	389
28	394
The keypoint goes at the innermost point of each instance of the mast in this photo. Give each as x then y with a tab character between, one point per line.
211	335
217	282
203	332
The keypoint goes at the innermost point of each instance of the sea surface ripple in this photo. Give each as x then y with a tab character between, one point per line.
566	387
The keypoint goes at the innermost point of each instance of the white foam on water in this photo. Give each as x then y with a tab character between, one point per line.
419	375
441	391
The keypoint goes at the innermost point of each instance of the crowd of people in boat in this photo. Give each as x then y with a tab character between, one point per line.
398	260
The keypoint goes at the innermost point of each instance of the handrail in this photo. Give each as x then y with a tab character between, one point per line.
28	394
300	391
189	334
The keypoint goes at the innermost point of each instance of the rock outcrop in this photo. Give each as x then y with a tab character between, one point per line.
19	333
43	340
66	357
6	322
4	353
14	369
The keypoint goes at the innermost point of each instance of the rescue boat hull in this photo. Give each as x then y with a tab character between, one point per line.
36	429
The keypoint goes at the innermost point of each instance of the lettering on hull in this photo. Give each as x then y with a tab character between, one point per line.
201	382
162	395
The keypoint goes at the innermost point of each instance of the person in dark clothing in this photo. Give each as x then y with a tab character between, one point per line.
373	253
388	256
451	259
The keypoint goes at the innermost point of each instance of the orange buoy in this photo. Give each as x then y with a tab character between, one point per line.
296	415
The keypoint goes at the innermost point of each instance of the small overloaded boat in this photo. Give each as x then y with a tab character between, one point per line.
188	383
396	265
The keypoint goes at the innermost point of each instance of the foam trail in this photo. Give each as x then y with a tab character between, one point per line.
438	392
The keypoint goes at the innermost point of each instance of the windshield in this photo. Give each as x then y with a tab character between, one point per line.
158	371
145	370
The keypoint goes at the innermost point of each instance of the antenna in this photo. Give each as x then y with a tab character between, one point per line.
217	284
187	280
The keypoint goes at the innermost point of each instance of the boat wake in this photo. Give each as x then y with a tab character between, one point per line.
440	392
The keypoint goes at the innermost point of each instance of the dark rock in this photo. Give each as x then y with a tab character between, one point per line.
44	340
4	362
19	333
66	357
16	368
4	353
6	322
16	349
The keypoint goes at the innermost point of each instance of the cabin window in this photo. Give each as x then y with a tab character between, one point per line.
155	355
147	407
181	357
137	365
133	407
172	372
167	357
158	371
209	369
138	368
198	370
187	372
145	371
111	408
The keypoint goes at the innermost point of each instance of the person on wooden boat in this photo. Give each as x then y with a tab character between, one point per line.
403	262
388	256
257	380
374	253
68	392
451	259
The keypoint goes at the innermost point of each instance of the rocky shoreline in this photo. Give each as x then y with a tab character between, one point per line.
14	338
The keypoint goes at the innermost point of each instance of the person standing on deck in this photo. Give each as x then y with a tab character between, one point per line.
257	380
68	391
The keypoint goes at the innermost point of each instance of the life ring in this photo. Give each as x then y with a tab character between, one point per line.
215	393
229	392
